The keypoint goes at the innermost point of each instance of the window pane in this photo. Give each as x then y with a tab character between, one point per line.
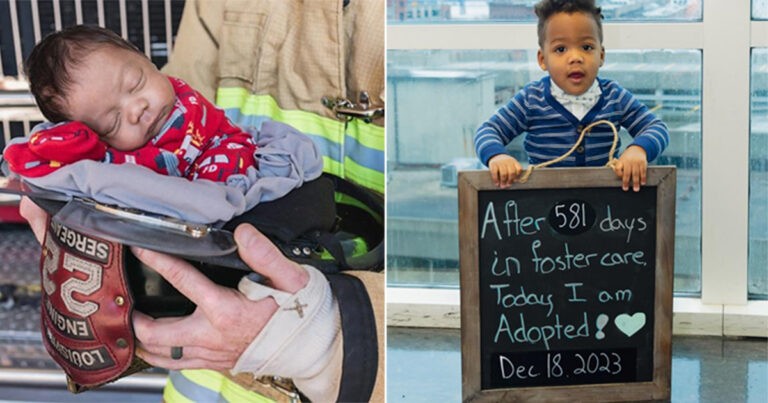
757	371
439	98
442	11
760	9
757	276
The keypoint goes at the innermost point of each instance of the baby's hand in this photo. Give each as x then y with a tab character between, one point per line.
504	170
632	165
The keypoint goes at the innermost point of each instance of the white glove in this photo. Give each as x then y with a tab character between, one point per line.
301	341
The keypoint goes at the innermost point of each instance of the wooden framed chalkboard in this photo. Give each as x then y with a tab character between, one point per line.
566	286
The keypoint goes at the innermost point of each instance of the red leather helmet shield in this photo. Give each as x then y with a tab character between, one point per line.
86	308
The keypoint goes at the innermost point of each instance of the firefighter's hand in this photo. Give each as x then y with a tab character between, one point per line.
632	167
225	321
504	170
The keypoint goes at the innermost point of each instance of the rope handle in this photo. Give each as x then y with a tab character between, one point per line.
611	160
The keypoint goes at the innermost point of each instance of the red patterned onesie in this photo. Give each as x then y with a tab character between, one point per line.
197	142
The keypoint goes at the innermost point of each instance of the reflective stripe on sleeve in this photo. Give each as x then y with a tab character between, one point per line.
207	386
352	150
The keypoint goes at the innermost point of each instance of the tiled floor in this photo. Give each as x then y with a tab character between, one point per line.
424	365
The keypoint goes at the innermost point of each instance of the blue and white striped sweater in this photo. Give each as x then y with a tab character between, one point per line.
552	130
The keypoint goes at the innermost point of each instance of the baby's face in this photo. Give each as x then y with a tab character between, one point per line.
572	52
121	96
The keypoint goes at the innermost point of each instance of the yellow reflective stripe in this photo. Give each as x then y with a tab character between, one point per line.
231	97
265	105
215	382
235	393
342	198
332	166
367	134
206	378
361	247
367	177
171	395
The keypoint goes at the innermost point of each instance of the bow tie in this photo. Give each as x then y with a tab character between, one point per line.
589	98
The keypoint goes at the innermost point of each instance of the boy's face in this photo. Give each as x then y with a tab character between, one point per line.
572	52
121	95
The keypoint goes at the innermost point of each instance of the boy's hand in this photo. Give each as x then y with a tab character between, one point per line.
504	170
632	165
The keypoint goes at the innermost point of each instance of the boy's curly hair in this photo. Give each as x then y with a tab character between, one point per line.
546	8
49	66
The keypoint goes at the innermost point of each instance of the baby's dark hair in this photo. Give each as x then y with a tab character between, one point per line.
547	8
48	67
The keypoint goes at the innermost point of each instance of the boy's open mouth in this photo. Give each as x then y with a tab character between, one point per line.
576	76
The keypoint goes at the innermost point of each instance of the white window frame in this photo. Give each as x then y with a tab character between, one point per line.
725	37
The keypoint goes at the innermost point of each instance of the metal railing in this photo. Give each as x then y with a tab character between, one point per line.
149	24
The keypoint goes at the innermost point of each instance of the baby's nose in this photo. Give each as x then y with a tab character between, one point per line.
137	110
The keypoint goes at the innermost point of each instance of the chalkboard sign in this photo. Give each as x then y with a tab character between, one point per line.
566	286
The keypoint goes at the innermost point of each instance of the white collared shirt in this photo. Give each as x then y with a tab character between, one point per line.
578	105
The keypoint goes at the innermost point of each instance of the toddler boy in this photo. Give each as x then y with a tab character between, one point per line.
554	110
